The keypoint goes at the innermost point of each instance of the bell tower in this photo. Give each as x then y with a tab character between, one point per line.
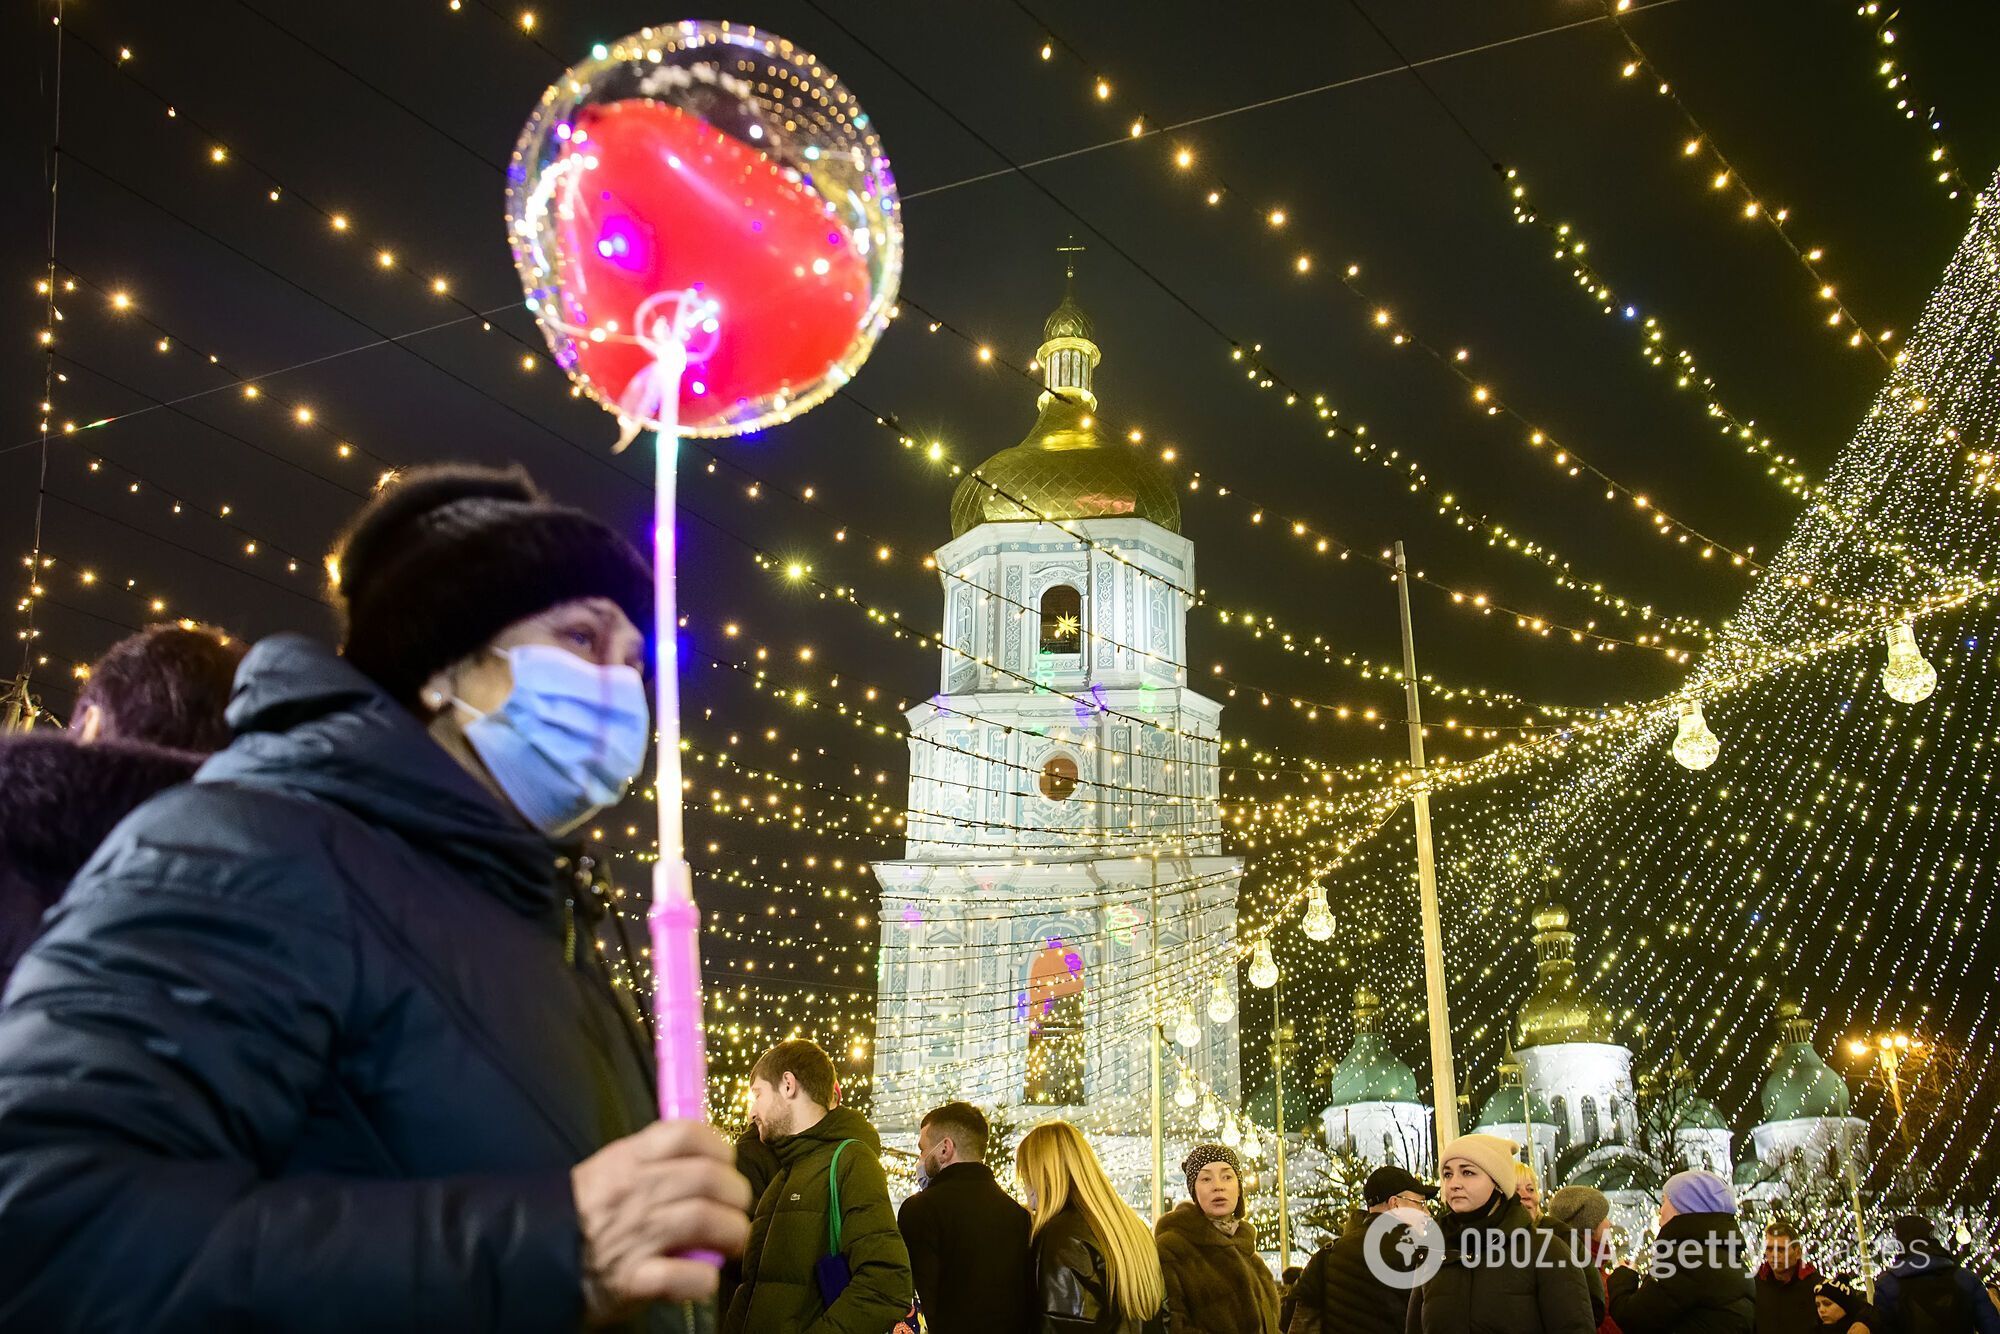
1063	885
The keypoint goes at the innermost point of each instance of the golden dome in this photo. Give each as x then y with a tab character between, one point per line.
1067	320
1560	1010
1064	470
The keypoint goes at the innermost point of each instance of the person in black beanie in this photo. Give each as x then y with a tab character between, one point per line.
320	1040
1843	1308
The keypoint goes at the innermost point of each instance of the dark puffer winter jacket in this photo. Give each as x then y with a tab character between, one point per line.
1216	1283
788	1235
1473	1294
1338	1293
311	1044
1699	1281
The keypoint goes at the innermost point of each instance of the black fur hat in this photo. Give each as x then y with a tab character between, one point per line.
444	557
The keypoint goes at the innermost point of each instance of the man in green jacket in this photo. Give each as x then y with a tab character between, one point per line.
822	1156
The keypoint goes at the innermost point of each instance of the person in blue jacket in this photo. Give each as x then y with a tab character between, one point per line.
321	1041
1926	1292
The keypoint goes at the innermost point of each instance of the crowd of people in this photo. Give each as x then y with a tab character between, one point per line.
304	1028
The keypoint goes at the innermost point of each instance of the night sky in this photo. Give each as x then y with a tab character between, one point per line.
400	117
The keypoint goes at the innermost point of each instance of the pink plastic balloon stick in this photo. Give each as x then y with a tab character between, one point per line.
675	920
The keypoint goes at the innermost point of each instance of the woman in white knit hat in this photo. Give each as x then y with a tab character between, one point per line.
1500	1273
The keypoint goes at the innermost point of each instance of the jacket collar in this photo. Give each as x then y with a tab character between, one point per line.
307	721
1186	1220
839	1124
965	1171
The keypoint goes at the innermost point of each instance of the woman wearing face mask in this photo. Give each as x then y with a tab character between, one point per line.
1216	1281
322	1040
1500	1274
1095	1269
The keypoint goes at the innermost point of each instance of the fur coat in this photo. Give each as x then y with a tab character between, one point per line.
1216	1284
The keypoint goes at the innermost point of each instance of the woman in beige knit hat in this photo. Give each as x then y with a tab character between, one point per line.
1500	1274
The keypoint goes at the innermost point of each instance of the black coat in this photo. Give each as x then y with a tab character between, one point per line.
1787	1308
1544	1296
968	1243
310	1045
1698	1282
58	800
1071	1296
1338	1295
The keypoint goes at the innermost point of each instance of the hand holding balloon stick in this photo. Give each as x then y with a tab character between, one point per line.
708	232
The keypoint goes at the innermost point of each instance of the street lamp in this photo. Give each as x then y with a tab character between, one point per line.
1890	1051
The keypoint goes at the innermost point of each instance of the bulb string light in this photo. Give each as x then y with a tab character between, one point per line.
1942	162
1482	397
1324	543
341	224
1832	852
1727	181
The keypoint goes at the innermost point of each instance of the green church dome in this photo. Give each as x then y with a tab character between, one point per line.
1801	1084
1503	1108
1371	1072
1698	1113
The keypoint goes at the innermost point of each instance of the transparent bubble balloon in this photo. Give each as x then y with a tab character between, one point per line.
707	228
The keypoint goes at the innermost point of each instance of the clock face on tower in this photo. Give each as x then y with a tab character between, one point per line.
1059	778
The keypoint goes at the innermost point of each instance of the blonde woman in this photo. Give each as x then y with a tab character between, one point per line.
1528	1190
1095	1267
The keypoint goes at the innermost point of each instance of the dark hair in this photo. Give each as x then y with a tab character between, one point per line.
167	685
1778	1227
1292	1274
803	1061
64	797
965	1124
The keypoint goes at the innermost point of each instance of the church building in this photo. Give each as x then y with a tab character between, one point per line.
1063	902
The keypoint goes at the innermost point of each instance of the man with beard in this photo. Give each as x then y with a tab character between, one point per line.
968	1239
824	1254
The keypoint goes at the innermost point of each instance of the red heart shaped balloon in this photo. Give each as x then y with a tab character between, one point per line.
654	202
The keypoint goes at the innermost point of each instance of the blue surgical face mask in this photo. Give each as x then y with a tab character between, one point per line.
567	740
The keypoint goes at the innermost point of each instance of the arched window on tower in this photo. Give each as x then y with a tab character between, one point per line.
1062	620
1055	1026
1590	1126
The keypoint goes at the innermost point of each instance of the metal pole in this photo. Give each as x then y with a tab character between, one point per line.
1889	1063
1159	1038
1278	1091
1860	1226
1444	1085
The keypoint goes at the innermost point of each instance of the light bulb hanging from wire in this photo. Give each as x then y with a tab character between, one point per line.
1232	1134
1907	678
1695	746
1184	1094
1317	924
1253	1147
1263	968
1187	1028
1222	1001
1211	1115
